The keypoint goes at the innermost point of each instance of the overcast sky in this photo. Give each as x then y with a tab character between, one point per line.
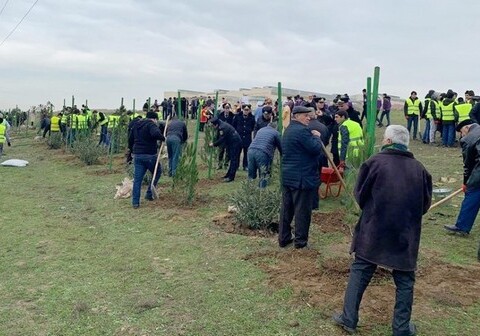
102	50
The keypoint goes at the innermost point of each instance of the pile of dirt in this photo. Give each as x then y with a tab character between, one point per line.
330	222
227	223
321	283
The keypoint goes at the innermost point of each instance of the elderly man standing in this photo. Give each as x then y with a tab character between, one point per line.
394	191
301	148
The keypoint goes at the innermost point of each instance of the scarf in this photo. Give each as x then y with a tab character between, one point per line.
399	147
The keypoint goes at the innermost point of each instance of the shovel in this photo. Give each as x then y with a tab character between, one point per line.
445	199
152	187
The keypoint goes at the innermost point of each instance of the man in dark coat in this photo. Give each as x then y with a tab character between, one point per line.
244	124
177	135
142	142
265	119
315	124
394	191
232	141
226	115
470	142
300	177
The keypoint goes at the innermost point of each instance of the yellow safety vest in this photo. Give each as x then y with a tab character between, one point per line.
447	112
463	111
355	140
54	124
105	120
113	121
74	121
428	113
413	106
82	121
3	132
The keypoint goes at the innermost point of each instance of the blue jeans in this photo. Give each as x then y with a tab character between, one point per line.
469	210
174	150
104	136
142	163
260	162
412	119
448	134
361	273
426	133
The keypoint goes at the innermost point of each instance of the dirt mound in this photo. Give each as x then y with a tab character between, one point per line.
227	223
330	222
321	282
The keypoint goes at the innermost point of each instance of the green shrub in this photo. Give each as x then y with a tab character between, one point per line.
257	208
186	175
55	141
87	150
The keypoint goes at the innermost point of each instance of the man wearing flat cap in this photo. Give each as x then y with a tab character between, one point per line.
470	143
301	148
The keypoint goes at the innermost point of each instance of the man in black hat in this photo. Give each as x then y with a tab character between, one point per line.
142	142
301	148
470	141
229	137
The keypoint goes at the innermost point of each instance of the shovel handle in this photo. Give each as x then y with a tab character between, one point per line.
159	153
446	199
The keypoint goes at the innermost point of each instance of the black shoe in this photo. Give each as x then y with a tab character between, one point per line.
227	180
303	247
225	176
338	319
136	206
286	244
454	229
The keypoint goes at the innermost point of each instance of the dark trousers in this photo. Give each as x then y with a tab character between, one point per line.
469	210
223	157
448	134
142	163
259	162
361	272
295	203
426	132
412	119
244	149
234	152
334	143
385	113
174	150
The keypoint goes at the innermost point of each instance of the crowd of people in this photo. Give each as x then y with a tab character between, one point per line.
392	201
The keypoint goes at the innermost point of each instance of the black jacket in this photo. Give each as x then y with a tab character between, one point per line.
177	128
226	118
227	136
471	157
142	138
301	150
394	191
244	125
354	115
475	113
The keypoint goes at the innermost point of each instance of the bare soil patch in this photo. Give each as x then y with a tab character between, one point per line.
227	223
330	222
321	283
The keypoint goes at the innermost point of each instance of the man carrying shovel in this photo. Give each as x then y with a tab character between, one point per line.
142	142
470	143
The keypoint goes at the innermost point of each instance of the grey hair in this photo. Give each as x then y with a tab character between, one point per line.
398	134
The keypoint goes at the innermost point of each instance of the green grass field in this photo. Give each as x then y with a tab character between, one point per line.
75	261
